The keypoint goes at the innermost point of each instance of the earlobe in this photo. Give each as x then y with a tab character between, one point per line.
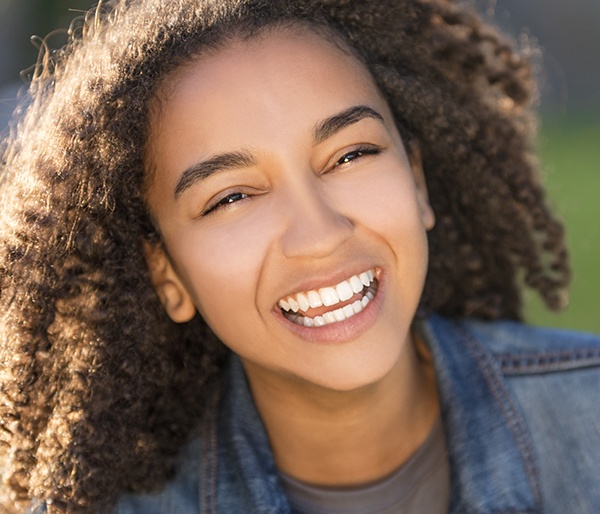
416	164
173	295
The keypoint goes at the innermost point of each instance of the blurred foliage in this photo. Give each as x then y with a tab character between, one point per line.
42	19
570	151
50	14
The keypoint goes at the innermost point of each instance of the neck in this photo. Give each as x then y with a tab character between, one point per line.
335	438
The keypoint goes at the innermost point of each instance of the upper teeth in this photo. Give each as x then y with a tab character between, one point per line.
327	296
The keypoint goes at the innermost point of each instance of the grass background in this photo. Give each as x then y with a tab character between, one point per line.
570	152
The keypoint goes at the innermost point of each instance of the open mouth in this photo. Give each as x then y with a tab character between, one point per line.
327	305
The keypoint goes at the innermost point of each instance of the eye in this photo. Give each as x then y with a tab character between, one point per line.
225	202
355	154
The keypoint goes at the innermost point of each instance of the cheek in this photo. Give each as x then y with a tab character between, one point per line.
387	209
222	270
386	202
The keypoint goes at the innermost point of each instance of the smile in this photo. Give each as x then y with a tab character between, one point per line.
349	297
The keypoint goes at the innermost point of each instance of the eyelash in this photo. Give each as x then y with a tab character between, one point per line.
225	201
348	157
358	153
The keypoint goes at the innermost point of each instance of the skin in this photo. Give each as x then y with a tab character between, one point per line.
350	402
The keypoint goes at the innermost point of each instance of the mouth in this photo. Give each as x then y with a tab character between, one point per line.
332	304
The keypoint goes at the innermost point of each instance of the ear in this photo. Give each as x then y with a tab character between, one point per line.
416	163
172	293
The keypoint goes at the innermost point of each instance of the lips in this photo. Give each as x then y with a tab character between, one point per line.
332	304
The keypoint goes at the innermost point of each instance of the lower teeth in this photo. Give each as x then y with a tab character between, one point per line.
337	315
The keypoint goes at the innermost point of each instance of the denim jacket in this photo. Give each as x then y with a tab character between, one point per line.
520	407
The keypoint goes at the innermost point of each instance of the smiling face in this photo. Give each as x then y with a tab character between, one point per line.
280	184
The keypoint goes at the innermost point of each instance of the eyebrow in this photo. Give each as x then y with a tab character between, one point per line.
232	160
327	128
205	169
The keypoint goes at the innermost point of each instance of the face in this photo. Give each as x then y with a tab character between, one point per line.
280	184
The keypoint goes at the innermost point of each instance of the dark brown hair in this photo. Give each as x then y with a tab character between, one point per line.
98	388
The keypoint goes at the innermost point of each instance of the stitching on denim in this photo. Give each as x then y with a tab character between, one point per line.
460	509
514	422
549	362
208	476
512	511
528	511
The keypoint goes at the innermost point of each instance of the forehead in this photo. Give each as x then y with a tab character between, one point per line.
268	46
248	66
283	81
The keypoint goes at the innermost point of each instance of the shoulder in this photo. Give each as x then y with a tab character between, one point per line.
179	495
522	349
547	381
551	372
227	466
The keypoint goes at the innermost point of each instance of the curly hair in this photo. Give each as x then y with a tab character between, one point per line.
99	388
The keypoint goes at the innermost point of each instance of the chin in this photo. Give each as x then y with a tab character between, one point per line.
357	374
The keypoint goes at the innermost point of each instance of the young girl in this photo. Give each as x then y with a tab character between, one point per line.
267	256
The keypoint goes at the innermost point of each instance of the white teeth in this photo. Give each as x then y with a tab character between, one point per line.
344	291
332	316
319	321
293	304
314	299
356	284
364	278
348	311
339	315
328	296
302	302
328	317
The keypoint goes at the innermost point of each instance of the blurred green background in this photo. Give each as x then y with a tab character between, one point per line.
563	40
570	151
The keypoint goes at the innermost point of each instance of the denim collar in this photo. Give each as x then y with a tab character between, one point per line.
249	481
492	463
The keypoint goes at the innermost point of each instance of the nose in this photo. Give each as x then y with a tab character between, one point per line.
314	226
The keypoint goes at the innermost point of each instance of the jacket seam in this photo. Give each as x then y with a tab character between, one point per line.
208	491
515	424
549	362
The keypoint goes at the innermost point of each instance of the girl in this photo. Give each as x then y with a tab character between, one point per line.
267	256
